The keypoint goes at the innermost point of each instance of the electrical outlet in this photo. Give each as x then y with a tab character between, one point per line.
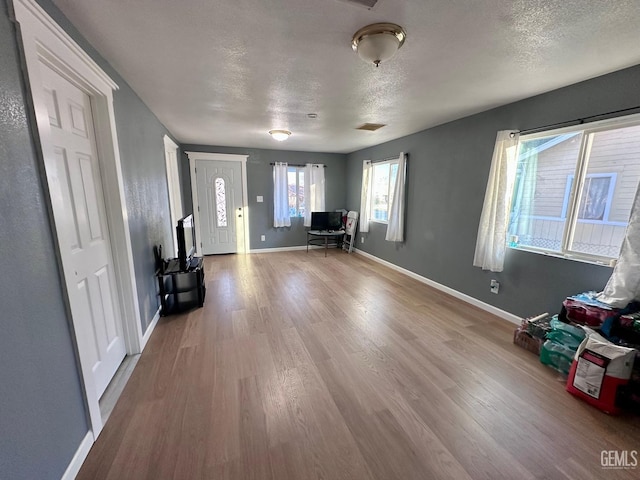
361	239
263	238
259	199
495	286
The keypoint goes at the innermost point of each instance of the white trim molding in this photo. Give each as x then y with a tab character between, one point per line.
172	161
286	249
510	317
224	157
81	454
150	328
31	7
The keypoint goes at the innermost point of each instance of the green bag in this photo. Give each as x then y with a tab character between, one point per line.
556	356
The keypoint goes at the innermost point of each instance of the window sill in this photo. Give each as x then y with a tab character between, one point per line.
604	262
381	222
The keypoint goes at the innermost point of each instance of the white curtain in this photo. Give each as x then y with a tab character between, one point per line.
280	196
365	196
395	224
313	190
491	243
624	284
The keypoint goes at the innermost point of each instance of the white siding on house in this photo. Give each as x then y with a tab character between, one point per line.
542	206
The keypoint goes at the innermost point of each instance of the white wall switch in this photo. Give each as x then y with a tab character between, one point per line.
262	238
361	239
259	199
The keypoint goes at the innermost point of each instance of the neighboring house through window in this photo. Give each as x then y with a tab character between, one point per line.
552	212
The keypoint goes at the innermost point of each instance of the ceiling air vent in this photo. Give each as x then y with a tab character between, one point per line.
370	127
363	3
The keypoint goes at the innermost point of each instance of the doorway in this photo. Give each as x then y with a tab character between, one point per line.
173	184
219	192
78	148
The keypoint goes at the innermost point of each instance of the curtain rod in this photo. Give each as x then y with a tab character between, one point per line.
577	121
300	165
395	157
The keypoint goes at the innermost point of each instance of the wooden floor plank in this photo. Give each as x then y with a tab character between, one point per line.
301	366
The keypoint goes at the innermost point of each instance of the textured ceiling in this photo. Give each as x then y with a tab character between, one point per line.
225	72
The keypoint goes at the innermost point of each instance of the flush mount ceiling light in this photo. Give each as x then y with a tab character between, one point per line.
279	135
377	43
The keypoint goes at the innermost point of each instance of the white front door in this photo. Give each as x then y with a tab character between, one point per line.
83	233
219	185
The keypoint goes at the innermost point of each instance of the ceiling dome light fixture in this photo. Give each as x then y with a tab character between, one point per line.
377	43
279	135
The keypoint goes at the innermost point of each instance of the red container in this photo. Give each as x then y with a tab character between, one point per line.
584	314
598	371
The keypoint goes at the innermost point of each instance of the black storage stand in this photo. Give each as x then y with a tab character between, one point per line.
181	290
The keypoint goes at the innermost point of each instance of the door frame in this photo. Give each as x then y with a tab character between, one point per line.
176	209
43	40
223	157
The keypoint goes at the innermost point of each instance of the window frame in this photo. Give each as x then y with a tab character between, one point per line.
372	199
572	197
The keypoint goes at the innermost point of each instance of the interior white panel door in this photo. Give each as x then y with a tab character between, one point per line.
219	185
173	183
80	219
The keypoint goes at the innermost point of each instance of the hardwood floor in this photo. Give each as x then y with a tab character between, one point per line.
306	367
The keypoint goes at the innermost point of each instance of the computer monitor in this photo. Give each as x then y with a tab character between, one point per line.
319	220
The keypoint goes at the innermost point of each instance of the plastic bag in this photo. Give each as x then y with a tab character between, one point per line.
565	334
556	356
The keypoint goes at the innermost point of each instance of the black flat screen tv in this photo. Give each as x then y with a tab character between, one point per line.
185	233
326	221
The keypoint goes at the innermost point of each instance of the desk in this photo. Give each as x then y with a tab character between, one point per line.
314	235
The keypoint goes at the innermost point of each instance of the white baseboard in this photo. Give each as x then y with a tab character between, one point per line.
443	288
79	457
147	334
284	249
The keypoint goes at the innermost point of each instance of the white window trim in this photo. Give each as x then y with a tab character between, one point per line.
574	195
373	178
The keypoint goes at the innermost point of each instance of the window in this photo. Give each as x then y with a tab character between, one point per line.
221	202
596	198
295	180
552	212
384	178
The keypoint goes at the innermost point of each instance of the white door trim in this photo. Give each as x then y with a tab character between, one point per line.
226	157
171	157
44	40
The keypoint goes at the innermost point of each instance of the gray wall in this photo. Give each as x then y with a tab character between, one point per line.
140	136
448	168
260	182
42	413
